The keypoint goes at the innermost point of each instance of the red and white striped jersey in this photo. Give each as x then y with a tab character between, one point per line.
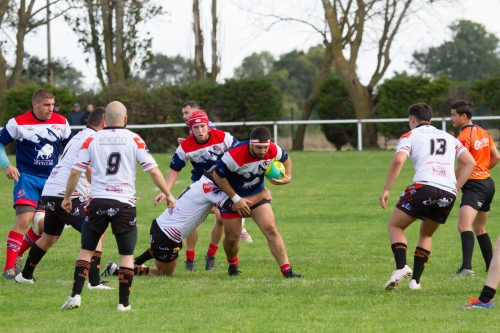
433	153
56	183
112	153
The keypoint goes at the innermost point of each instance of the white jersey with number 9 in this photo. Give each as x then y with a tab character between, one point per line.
112	153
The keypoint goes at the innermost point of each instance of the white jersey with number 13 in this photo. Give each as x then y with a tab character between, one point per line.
433	153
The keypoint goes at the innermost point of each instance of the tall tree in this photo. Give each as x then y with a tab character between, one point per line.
200	66
114	36
215	55
27	20
199	62
4	7
472	54
347	22
23	18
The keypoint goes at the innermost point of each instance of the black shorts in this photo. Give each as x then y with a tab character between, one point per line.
478	194
101	212
56	217
426	202
164	249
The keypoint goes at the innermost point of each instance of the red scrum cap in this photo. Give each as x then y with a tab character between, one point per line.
197	117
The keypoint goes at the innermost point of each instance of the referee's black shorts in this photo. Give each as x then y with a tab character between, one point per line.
478	194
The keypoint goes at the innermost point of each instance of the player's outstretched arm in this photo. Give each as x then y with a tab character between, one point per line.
73	178
469	164
286	176
394	170
157	178
494	155
240	204
170	180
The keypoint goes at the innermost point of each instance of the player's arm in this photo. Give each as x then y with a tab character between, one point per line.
265	194
286	176
170	182
88	174
469	164
10	171
73	178
494	155
394	170
240	204
157	178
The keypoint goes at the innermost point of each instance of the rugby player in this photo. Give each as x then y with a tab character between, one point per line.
240	174
478	191
431	196
112	154
39	134
168	230
56	218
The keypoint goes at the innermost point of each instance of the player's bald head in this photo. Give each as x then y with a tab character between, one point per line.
115	114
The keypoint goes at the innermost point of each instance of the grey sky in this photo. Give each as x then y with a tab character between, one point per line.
240	34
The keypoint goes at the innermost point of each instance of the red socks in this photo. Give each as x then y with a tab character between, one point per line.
189	255
14	241
283	268
212	250
29	239
233	262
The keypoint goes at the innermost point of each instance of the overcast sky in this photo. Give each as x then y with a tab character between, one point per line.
241	34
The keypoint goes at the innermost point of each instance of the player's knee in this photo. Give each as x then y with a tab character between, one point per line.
126	242
38	220
46	241
270	231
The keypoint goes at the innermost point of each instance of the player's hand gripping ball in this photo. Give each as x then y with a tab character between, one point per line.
274	170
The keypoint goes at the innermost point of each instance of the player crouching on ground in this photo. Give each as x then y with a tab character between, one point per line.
167	231
432	195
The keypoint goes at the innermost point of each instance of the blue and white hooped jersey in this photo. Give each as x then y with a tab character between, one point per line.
38	141
244	172
204	156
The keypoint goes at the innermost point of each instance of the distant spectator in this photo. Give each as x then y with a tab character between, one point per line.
76	118
57	107
88	109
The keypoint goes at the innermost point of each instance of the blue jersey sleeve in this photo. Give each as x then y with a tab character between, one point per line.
177	163
221	169
5	137
284	156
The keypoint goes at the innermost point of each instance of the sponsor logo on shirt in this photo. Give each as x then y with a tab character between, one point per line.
484	142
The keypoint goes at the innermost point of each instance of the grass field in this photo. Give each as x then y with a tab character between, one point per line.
336	234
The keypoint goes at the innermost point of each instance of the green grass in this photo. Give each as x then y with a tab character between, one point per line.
336	234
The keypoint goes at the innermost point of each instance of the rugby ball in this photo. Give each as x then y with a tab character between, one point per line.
274	170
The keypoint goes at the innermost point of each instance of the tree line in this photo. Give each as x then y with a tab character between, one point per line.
321	82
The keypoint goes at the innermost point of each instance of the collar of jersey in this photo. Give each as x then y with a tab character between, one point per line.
470	125
422	124
33	113
113	127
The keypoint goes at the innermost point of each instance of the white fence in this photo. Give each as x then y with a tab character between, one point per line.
309	122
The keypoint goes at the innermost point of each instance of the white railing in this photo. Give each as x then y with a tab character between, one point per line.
309	122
